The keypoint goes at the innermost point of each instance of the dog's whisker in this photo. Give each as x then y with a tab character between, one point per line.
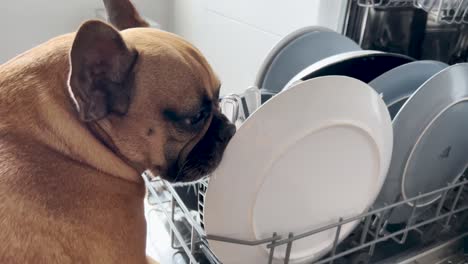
181	169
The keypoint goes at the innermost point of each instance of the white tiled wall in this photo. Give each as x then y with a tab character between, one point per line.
27	23
236	35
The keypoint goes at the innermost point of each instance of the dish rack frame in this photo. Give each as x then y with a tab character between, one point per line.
443	11
448	217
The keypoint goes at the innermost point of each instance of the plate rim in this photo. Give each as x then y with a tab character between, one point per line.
398	214
284	42
381	144
394	71
340	58
413	148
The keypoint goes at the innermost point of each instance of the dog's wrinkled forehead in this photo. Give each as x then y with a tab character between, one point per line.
170	63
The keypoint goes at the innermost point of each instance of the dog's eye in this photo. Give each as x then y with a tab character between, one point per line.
194	120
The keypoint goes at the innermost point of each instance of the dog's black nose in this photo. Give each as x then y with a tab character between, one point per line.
231	130
228	132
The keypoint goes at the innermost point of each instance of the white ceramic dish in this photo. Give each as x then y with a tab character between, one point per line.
398	84
430	147
364	65
298	50
332	147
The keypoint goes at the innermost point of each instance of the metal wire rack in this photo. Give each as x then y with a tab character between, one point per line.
385	3
443	11
446	219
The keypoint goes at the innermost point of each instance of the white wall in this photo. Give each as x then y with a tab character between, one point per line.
236	35
27	23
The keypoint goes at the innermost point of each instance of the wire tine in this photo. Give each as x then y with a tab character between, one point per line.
272	251
361	216
209	255
183	208
383	229
375	220
288	249
457	197
379	224
410	221
464	20
442	201
172	219
374	224
389	236
460	11
454	204
413	212
192	241
372	249
376	235
337	238
173	227
366	229
413	216
245	242
465	9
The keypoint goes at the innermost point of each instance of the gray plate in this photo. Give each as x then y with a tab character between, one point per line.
430	141
398	84
298	50
364	65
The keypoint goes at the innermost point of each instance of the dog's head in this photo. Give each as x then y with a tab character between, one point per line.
151	97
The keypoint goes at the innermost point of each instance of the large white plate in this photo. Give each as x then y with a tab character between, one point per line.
398	84
298	50
364	65
312	154
431	146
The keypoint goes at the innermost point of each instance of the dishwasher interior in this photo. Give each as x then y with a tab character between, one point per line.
437	235
422	29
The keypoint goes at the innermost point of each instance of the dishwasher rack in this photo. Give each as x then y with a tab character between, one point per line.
444	11
445	220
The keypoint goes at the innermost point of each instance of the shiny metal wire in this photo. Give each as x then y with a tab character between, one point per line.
373	230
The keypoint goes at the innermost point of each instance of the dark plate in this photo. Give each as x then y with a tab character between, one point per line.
364	67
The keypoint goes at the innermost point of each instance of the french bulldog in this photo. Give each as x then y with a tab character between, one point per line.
82	116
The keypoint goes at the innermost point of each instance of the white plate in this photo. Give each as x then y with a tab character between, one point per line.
398	84
431	146
364	65
298	50
325	147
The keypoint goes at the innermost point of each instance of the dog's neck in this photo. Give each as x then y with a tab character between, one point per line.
34	85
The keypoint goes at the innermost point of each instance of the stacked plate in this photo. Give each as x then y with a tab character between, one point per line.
345	130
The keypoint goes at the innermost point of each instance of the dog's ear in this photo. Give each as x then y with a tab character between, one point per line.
123	14
101	71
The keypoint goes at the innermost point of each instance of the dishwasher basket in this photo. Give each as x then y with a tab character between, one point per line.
443	11
445	222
